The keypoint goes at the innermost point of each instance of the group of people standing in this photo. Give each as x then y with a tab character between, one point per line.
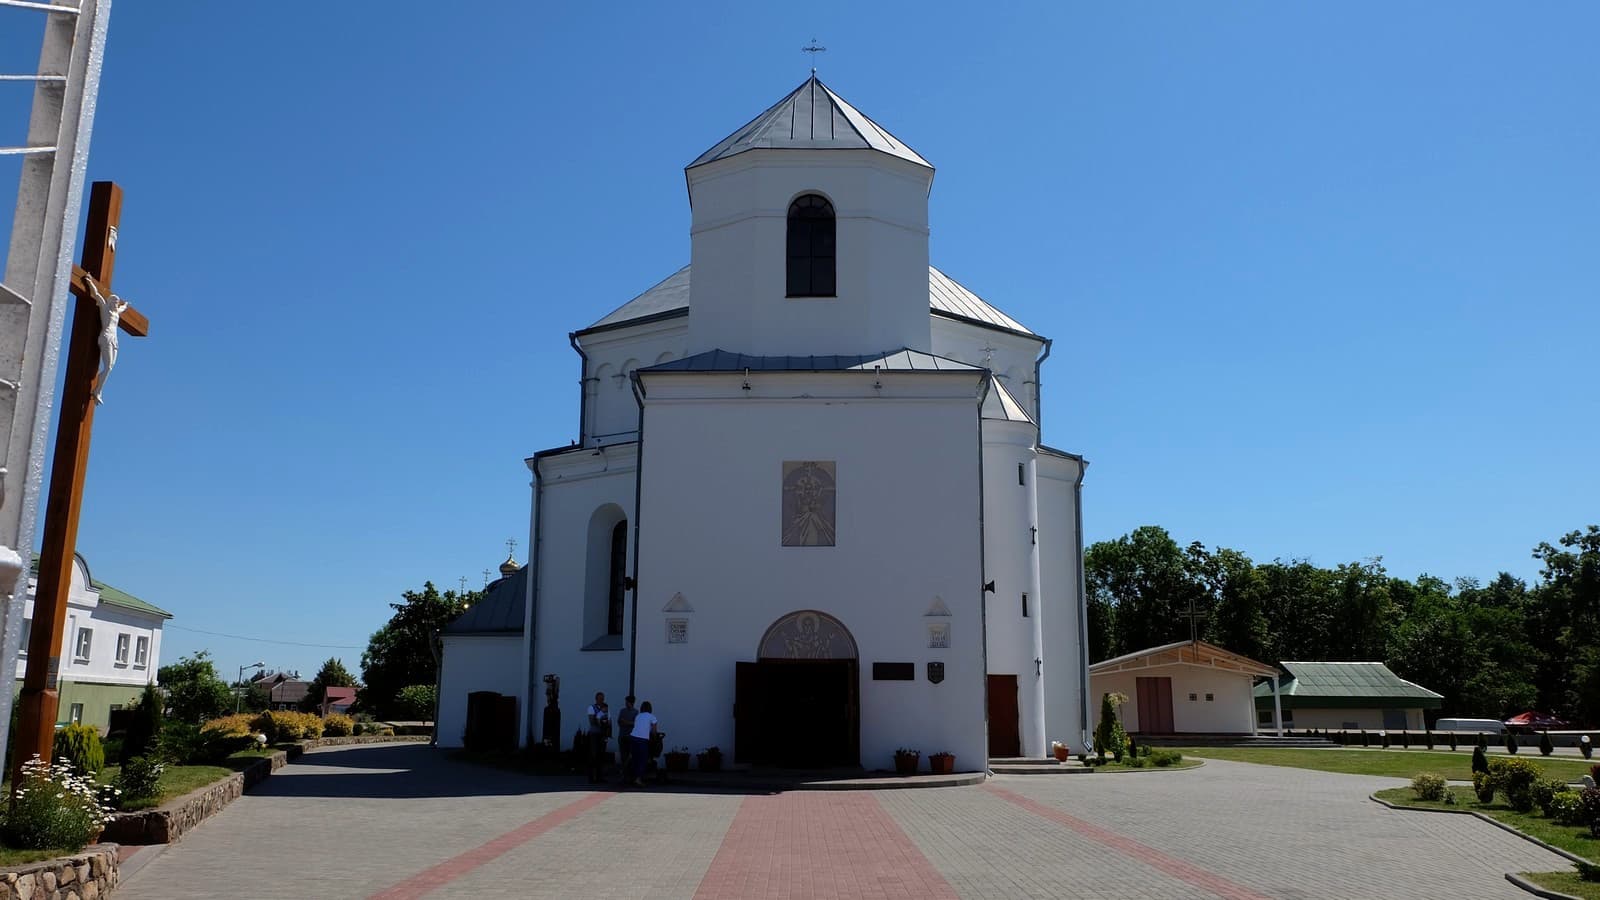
639	739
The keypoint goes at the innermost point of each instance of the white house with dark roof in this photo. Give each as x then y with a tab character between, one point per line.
110	646
809	513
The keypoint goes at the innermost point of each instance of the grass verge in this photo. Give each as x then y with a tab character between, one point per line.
1571	838
10	857
1565	883
179	780
1456	766
1185	763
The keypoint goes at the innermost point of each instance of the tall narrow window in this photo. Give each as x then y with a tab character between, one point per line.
619	575
1020	470
1024	606
811	248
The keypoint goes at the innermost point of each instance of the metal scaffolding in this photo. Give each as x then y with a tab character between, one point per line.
33	293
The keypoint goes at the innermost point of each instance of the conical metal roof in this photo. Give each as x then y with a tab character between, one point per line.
812	117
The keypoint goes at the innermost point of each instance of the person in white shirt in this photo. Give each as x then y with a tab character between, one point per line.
644	728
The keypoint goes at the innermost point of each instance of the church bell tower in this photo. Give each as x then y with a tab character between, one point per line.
809	235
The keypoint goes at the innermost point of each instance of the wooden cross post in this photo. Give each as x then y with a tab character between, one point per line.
40	701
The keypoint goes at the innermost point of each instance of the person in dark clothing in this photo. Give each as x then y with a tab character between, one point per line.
644	728
625	717
599	731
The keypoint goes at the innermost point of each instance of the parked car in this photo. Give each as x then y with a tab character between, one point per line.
1531	722
1470	726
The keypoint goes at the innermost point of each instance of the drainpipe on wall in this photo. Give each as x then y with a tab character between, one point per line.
530	619
1038	387
1083	610
638	486
983	574
583	389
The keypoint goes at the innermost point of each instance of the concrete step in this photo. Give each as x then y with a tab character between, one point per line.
1029	766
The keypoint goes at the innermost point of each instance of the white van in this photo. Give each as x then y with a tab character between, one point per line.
1472	726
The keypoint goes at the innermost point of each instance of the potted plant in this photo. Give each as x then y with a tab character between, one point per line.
942	763
906	761
1060	751
709	760
677	759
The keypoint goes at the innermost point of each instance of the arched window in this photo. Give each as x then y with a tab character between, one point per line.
619	577
811	247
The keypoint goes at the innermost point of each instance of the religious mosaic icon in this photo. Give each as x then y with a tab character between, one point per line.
807	635
808	504
939	636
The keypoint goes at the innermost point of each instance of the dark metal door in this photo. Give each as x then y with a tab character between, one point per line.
1005	739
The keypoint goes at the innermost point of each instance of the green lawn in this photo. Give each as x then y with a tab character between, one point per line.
179	780
1565	883
1455	766
1571	838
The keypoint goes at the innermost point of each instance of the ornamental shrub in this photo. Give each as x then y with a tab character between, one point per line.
1586	746
416	702
1429	786
1480	760
1109	736
54	808
139	780
1564	808
236	724
181	744
1544	791
1515	779
1452	740
1511	743
1589	810
1545	747
1428	736
1164	758
1483	787
80	746
1405	739
1136	762
338	725
1483	740
1363	737
1385	736
145	729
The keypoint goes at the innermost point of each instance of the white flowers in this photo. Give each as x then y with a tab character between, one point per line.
71	789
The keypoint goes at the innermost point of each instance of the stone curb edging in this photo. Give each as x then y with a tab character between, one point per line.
349	740
1536	890
1199	764
89	874
865	783
1491	820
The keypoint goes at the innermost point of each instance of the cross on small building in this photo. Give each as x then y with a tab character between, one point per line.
1194	616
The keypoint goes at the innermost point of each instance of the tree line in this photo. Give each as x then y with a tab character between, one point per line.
1493	650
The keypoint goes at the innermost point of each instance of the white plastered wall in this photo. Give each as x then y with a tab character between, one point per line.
474	663
1230	711
1011	562
575	485
1350	719
1067	704
907	509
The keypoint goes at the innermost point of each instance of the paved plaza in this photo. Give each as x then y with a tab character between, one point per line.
405	821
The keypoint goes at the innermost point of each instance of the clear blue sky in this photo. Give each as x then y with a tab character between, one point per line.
1322	280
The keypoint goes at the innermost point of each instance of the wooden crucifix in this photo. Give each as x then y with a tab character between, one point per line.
95	319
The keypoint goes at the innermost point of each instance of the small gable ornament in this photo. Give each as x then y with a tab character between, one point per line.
935	672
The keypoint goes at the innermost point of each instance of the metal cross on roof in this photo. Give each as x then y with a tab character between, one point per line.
511	546
813	48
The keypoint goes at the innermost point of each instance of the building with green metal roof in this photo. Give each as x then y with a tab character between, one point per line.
1346	696
110	646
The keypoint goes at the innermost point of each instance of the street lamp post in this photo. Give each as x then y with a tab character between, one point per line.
238	701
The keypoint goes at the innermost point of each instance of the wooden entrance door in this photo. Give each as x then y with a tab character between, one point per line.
1155	705
801	713
1005	739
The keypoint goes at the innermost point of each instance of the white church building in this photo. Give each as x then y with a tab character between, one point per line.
810	515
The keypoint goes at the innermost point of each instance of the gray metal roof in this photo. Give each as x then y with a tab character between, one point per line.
812	117
893	361
1000	405
946	297
499	612
1347	684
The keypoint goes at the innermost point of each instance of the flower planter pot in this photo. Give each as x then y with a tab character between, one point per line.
1063	754
942	765
906	763
677	762
708	762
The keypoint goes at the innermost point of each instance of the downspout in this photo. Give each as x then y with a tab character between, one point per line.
638	486
983	573
531	621
1038	395
583	389
1083	610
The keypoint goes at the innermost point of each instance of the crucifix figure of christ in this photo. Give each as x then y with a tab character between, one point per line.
91	349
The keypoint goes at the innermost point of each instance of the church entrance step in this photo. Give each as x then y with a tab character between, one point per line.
1027	766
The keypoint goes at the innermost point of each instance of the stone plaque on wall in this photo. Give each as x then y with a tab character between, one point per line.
939	636
808	503
677	631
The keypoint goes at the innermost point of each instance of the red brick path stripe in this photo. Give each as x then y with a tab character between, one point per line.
1150	856
819	845
442	874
